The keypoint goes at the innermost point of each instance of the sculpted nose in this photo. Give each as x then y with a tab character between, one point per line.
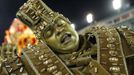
59	29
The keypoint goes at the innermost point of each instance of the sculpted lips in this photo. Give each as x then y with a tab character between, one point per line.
66	38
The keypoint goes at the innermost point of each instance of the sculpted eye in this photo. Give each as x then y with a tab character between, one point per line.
48	32
60	23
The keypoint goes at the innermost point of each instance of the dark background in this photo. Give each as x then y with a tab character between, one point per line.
75	10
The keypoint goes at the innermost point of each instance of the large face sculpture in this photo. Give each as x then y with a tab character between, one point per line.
61	37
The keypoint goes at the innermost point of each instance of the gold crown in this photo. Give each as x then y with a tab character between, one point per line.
38	16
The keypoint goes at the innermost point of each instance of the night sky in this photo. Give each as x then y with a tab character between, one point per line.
75	10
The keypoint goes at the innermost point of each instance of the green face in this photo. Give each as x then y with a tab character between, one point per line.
61	37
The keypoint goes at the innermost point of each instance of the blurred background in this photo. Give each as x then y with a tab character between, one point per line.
75	10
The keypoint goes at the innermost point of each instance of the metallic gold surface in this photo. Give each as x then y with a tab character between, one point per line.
49	26
100	50
11	63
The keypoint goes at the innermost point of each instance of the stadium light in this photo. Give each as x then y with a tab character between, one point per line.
73	25
89	18
117	4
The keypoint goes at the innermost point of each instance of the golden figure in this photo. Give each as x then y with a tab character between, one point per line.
101	50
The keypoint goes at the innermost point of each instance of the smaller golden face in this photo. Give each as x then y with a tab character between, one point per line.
61	37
